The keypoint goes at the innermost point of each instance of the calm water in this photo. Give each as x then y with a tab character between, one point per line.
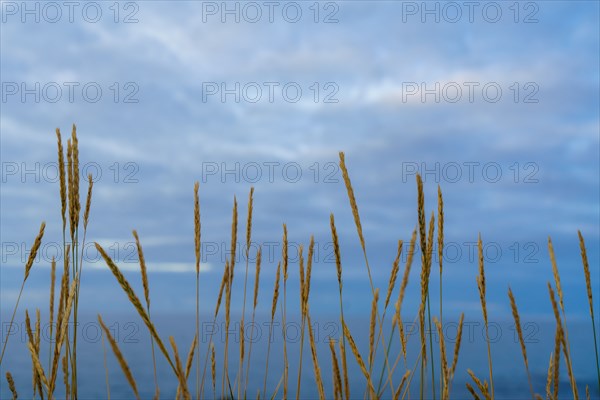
509	374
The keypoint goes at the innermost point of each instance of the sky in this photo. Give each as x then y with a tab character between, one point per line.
495	102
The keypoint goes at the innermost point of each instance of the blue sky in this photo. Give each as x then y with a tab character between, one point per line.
541	135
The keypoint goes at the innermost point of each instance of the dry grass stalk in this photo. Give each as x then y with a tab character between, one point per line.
273	309
143	268
336	249
146	286
338	267
65	370
213	367
197	254
556	360
11	386
180	372
356	215
311	249
37	341
481	286
34	249
398	321
38	368
457	346
70	191
440	228
421	217
228	290
401	386
61	331
317	368
255	302
411	252
482	386
64	284
52	286
88	202
337	377
224	283
234	226
555	274
120	358
587	392
188	364
440	245
588	287
445	371
197	226
190	357
515	313
248	237
276	291
472	391
75	167
257	276
372	327
564	328
61	172
304	312
563	342
30	339
393	275
352	199
549	377
345	369
359	359
136	303
284	311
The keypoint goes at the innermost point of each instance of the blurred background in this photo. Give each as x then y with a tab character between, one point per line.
495	102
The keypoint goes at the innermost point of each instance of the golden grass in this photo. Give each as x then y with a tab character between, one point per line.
304	313
563	343
273	309
482	386
393	275
444	361
316	367
254	304
549	377
516	317
52	288
62	177
456	347
64	347
482	289
372	327
136	303
358	358
248	238
180	372
11	386
213	367
146	286
335	369
120	358
65	370
588	288
345	370
197	240
556	360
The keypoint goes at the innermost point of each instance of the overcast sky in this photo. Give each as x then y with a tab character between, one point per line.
498	104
